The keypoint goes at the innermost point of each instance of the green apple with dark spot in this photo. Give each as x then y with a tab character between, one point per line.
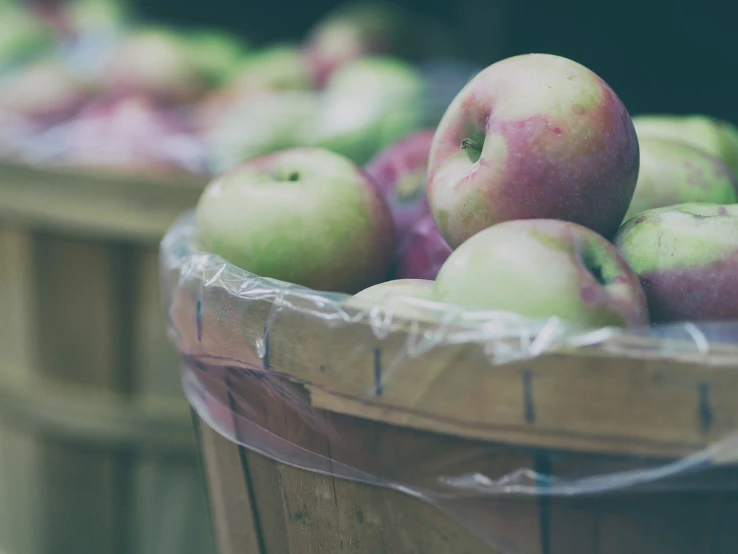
686	257
715	136
368	105
673	172
304	215
543	268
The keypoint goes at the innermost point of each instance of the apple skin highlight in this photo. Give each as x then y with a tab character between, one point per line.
552	139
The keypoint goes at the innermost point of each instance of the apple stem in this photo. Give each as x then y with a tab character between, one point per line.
469	144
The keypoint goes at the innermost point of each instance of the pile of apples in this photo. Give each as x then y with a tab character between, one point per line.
536	194
83	83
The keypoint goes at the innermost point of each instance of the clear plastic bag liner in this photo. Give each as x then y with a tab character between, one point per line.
234	389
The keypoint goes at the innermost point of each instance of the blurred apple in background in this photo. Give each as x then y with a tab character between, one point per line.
217	53
23	35
367	105
715	136
532	136
132	134
305	215
156	62
672	172
353	31
401	171
45	91
687	259
422	252
275	67
259	124
542	268
278	67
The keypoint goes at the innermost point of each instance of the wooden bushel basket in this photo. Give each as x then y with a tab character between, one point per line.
325	430
97	454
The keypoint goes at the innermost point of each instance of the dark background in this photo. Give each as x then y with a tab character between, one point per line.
677	57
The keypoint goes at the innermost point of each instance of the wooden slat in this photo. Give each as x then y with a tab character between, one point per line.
566	401
94	204
232	512
19	450
154	359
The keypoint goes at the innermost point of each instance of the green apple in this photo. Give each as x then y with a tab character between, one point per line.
395	298
414	288
259	124
686	257
368	105
217	53
304	215
22	36
715	136
673	172
277	67
85	16
542	268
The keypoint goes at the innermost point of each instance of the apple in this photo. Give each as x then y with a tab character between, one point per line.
532	136
715	136
401	171
423	251
260	124
400	297
414	288
279	67
45	91
86	16
22	35
542	268
304	215
156	62
686	257
133	134
353	31
367	105
672	172
217	53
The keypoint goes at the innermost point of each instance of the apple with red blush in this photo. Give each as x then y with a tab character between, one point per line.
544	268
422	252
401	172
686	257
532	136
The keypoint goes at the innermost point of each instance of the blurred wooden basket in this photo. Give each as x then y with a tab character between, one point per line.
624	406
97	454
